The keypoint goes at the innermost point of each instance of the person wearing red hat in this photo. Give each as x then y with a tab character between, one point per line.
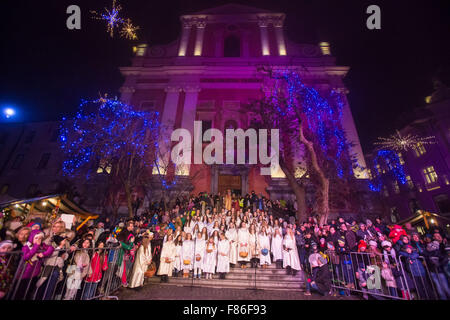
396	232
362	246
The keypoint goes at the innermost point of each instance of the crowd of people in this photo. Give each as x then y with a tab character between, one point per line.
205	235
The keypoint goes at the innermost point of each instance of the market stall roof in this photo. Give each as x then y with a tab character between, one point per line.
419	217
66	206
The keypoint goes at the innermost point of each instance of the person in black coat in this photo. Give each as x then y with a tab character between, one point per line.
350	237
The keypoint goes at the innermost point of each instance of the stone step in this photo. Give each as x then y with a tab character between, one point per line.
233	283
267	271
251	276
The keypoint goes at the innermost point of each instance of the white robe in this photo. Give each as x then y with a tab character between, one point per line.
277	248
168	251
141	263
264	243
188	228
209	262
290	257
243	239
187	253
178	262
254	245
231	235
223	261
199	250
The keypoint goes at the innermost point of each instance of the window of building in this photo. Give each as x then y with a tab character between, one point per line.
44	161
378	168
18	161
396	187
400	158
103	167
442	202
4	189
29	138
232	46
430	175
410	182
325	47
385	191
419	149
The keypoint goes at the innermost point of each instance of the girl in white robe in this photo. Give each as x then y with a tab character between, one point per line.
223	252
199	255
291	260
178	264
231	235
209	262
254	245
243	239
188	225
187	255
277	248
167	259
264	244
142	260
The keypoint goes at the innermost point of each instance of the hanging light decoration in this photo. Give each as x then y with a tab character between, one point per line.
398	142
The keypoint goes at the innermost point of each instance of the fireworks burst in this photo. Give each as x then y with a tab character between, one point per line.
110	16
398	142
129	30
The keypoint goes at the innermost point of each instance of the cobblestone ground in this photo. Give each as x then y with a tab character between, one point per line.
173	292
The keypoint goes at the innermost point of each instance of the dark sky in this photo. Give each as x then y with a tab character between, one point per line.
46	69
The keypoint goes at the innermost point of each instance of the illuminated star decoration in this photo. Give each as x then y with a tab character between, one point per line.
398	142
111	17
129	30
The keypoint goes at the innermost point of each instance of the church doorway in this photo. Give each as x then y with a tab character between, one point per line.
232	182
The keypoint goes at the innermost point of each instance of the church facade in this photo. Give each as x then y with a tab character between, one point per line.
210	72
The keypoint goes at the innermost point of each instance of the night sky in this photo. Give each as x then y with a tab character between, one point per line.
46	69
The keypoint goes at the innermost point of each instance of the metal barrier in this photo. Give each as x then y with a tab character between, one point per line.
383	276
81	274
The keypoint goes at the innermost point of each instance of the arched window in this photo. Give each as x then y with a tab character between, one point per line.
232	46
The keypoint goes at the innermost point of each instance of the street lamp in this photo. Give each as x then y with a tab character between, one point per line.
9	112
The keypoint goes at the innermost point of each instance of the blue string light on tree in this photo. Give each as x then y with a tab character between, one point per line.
321	111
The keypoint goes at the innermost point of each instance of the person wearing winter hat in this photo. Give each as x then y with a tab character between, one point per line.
414	266
6	268
362	246
389	254
437	261
34	253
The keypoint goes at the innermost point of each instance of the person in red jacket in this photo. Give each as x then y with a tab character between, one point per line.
396	232
99	263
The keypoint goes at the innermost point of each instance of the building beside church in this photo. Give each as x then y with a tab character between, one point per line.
426	166
210	72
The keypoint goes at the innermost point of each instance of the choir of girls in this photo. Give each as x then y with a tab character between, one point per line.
208	244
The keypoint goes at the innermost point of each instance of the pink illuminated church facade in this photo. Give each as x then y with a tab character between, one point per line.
210	72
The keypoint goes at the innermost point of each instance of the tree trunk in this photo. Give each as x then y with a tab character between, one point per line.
129	204
324	182
299	192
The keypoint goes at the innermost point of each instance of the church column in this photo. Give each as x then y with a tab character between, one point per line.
200	24
187	26
189	112
263	24
167	123
278	26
